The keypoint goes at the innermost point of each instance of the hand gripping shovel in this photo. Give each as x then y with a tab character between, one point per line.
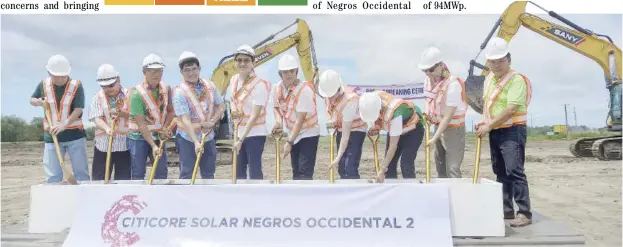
157	158
277	135
427	154
477	160
236	116
108	153
332	130
374	141
204	135
66	171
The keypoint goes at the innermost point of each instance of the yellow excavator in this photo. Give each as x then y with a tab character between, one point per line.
600	48
302	39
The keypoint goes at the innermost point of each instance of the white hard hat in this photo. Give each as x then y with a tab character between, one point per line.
153	61
106	75
430	57
287	62
330	82
369	106
58	65
498	48
245	50
186	55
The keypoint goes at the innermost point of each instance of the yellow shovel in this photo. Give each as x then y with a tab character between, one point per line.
236	116
277	135
427	154
199	154
66	171
157	158
108	153
477	160
332	130
374	141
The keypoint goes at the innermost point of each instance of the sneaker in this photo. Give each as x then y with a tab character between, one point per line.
509	215
520	220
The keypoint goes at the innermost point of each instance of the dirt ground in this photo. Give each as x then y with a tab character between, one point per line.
582	193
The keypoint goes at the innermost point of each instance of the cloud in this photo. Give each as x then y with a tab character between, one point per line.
365	49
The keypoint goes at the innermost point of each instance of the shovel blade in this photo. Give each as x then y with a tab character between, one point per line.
474	85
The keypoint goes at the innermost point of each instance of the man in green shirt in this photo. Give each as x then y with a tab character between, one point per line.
404	128
151	112
507	96
65	98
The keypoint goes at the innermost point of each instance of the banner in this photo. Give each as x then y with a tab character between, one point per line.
262	215
405	91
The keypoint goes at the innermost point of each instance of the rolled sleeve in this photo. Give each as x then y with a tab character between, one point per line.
180	104
517	91
306	101
454	94
95	110
350	112
395	126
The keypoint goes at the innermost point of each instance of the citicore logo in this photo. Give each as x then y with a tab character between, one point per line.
110	229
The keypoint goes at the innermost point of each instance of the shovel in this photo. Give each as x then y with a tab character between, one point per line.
199	153
66	171
477	160
374	141
108	153
331	129
277	135
234	167
427	154
157	158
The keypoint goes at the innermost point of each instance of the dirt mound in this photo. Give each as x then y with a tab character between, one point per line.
554	159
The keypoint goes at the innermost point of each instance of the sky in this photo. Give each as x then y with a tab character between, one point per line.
364	49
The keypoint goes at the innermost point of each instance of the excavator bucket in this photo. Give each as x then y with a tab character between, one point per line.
473	88
474	85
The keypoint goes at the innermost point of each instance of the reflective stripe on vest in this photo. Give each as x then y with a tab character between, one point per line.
291	101
202	107
152	106
61	115
122	123
491	96
435	101
389	105
335	110
241	96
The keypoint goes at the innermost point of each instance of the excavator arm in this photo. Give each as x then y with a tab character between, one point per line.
583	41
303	41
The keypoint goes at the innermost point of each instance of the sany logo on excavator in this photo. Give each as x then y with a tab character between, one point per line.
566	35
263	55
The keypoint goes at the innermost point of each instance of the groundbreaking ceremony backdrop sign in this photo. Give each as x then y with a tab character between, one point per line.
405	91
262	215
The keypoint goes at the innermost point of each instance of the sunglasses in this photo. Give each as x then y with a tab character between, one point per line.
431	69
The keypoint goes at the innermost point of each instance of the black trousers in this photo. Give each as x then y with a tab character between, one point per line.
303	158
119	162
508	146
408	145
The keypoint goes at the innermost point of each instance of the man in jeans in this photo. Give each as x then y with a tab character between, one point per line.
507	95
198	107
65	97
151	112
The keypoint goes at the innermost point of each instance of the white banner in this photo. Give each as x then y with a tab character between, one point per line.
357	215
404	91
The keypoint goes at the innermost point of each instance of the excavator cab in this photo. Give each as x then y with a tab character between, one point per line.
474	86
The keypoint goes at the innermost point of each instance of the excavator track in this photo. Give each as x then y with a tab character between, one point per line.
583	147
607	148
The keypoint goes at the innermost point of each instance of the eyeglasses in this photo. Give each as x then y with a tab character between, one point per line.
189	70
242	60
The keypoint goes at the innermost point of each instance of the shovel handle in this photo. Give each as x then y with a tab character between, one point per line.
199	154
70	175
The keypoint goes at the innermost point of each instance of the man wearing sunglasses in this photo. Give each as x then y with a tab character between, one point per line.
295	106
445	105
108	105
198	106
507	95
151	112
249	95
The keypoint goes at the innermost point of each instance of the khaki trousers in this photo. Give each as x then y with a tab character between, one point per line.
449	151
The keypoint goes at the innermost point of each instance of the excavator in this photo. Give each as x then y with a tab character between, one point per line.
600	48
302	39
